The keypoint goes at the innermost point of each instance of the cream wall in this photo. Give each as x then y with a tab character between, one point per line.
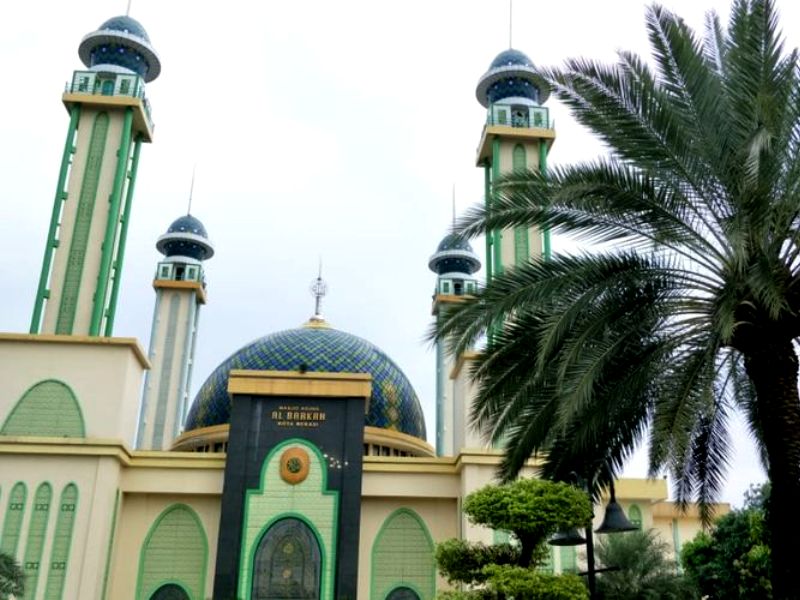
96	478
105	375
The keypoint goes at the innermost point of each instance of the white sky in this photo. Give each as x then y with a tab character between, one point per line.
318	128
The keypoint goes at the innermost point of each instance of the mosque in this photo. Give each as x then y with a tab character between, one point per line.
301	469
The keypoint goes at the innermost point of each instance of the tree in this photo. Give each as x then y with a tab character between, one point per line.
690	309
733	560
12	578
643	570
532	510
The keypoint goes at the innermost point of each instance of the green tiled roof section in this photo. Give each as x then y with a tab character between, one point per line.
402	556
62	541
49	408
309	501
37	531
175	551
12	524
83	221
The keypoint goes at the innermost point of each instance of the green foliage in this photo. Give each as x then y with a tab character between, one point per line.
644	570
690	308
734	559
532	509
12	578
460	561
519	582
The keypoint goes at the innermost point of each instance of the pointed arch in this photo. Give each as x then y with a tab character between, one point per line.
37	530
48	408
62	541
519	159
175	551
12	524
403	557
635	515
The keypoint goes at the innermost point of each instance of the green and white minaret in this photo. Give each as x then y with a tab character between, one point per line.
109	121
517	136
180	286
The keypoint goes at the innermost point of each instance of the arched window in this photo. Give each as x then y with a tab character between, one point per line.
519	158
170	591
287	562
635	516
403	593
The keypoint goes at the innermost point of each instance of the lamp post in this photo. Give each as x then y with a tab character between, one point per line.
614	521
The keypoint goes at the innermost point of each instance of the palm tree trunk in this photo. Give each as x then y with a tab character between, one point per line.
773	370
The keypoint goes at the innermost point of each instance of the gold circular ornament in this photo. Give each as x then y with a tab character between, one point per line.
294	465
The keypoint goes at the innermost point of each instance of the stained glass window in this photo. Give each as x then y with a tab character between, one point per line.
287	563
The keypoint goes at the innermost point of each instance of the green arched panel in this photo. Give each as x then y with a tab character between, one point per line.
569	559
48	408
12	524
519	161
635	515
402	557
62	540
37	531
174	551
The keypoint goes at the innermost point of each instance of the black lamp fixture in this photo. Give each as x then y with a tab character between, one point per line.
615	520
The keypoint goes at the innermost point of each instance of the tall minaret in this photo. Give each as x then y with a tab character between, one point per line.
109	120
454	263
180	290
517	136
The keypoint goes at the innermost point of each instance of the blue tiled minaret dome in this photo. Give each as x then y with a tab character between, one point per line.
511	75
122	45
186	237
316	347
454	255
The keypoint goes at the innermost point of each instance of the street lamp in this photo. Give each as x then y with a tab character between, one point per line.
614	521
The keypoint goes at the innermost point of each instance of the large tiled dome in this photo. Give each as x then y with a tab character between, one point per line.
316	347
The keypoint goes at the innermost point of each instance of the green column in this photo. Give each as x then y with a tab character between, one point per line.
123	236
543	170
111	226
487	187
497	236
55	218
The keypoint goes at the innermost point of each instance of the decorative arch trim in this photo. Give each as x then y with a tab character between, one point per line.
149	581
47	408
423	584
12	524
62	541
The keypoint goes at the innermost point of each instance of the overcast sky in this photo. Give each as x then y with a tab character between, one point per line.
333	129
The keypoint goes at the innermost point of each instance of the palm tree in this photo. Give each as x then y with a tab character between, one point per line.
641	569
690	308
12	578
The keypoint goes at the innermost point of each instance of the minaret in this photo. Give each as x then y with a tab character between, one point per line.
516	137
455	263
109	120
180	290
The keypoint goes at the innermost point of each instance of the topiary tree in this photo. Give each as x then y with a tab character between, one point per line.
532	510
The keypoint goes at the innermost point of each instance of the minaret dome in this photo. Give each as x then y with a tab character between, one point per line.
454	255
186	237
511	75
120	45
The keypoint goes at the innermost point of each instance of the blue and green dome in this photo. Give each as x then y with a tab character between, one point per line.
120	44
511	75
316	347
454	255
186	237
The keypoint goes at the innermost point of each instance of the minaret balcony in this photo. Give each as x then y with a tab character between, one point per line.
112	89
510	121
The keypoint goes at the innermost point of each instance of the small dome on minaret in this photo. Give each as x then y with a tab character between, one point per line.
186	237
511	75
454	255
120	44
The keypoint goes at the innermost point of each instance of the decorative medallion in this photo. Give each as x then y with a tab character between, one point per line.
294	465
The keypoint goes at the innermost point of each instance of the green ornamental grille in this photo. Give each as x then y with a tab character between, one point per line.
13	521
36	537
62	540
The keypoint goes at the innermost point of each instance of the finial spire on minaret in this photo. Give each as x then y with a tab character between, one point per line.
454	206
191	191
318	289
510	21
128	10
